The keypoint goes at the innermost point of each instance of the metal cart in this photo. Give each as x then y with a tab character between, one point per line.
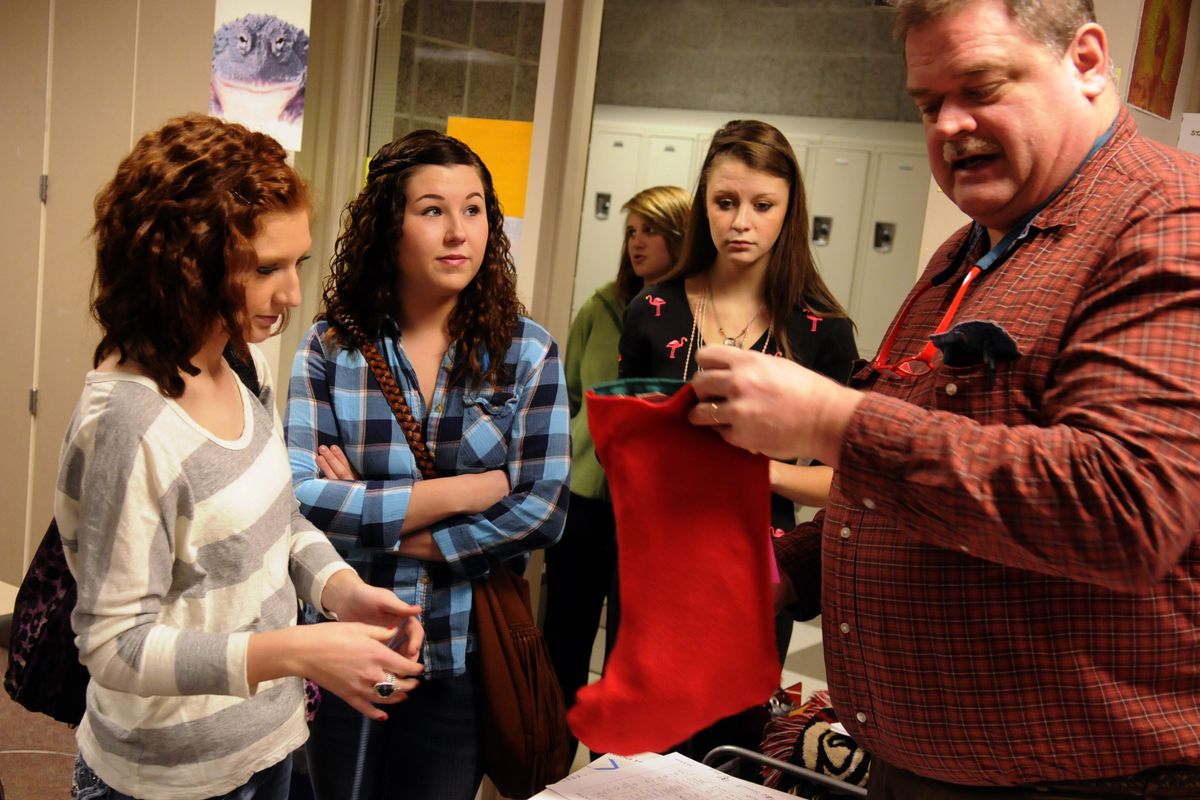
726	758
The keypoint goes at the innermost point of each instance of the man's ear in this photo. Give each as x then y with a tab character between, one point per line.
1088	52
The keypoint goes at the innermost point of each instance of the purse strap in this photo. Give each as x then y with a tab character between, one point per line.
392	392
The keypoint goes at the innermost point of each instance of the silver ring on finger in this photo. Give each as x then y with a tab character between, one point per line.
386	687
713	407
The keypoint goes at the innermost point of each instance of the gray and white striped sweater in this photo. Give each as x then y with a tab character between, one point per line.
183	544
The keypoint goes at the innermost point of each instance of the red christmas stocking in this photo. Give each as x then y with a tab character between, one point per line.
697	636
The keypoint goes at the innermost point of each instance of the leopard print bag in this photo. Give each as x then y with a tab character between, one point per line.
44	673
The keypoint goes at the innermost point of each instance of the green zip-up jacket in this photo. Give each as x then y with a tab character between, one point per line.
591	359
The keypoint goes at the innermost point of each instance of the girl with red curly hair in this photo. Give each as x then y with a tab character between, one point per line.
422	274
174	500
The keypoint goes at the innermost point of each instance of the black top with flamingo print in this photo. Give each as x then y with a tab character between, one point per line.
654	344
658	322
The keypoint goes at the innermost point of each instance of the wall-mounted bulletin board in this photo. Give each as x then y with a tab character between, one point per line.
260	66
1158	56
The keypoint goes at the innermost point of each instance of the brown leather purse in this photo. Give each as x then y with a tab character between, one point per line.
524	718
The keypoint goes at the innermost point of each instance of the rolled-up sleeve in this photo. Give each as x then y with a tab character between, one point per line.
366	513
538	465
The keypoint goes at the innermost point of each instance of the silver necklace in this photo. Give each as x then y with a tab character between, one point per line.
698	327
726	339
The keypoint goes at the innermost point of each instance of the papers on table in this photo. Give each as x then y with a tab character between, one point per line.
653	777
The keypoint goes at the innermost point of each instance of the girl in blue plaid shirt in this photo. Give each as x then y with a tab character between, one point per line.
422	271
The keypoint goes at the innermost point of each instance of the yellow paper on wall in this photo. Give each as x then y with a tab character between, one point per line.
504	146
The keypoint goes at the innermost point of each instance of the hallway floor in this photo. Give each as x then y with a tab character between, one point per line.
37	754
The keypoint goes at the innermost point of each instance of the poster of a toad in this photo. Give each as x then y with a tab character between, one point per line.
260	66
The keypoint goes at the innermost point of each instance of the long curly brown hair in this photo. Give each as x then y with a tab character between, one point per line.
362	282
792	276
174	227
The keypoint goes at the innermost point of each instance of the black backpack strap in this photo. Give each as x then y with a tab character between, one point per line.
245	370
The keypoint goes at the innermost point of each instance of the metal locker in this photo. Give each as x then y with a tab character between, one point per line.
612	178
891	241
668	163
835	202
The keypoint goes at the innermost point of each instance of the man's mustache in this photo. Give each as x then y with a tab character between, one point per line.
965	148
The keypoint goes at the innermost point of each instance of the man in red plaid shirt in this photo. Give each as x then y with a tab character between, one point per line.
1008	569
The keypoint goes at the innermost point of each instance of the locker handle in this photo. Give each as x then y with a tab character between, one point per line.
885	236
821	229
603	204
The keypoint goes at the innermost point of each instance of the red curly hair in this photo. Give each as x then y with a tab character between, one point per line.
362	283
174	227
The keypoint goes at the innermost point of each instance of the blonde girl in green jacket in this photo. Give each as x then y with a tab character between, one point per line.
579	569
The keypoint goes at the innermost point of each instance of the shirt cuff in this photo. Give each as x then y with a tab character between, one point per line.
798	554
879	443
463	556
237	659
319	582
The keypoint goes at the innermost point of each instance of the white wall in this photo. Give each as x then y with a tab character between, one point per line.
106	72
81	82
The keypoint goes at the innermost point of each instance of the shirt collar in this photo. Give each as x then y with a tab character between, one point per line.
1061	209
389	327
1065	208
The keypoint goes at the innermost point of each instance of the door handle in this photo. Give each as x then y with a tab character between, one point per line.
885	236
603	204
822	228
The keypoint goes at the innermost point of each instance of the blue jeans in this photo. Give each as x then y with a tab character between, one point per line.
272	783
428	748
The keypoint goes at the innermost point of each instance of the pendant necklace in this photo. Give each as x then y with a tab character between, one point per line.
698	328
726	339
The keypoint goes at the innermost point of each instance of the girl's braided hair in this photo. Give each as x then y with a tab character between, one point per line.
395	397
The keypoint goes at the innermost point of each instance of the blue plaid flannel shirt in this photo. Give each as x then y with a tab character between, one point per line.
522	427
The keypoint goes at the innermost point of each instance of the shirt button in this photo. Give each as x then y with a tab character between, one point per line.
424	580
951	389
845	532
438	408
844	627
868	504
861	717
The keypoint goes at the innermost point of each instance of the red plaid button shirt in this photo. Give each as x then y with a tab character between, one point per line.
1009	559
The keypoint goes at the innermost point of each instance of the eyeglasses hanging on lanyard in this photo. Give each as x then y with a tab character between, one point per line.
922	362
